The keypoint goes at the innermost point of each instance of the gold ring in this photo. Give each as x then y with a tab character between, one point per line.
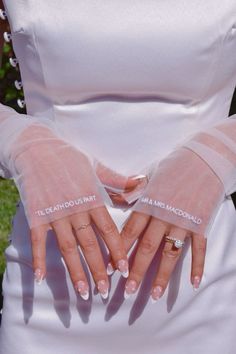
83	226
177	242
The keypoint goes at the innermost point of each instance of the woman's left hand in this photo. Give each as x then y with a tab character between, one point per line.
148	246
180	200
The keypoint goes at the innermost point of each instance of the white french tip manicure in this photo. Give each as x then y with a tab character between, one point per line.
85	296
125	274
153	301
139	177
38	276
126	295
104	296
39	281
110	269
195	289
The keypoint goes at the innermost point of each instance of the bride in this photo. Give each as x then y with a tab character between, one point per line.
125	163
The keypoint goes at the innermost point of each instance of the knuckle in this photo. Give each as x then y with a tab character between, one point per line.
68	247
174	254
35	239
147	246
108	229
129	232
201	246
89	244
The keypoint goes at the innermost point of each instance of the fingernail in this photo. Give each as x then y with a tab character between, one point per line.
82	288
196	282
103	288
139	177
123	267
38	276
156	293
110	269
130	288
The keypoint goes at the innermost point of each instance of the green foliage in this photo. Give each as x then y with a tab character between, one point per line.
8	92
9	195
9	198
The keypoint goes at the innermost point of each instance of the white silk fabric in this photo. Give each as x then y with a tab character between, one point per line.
126	82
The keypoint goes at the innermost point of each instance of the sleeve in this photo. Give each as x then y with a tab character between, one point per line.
12	124
187	187
54	178
217	147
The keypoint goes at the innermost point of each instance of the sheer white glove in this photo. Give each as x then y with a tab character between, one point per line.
217	147
61	189
54	178
183	191
187	188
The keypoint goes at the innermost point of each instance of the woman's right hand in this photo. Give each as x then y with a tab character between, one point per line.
70	233
59	191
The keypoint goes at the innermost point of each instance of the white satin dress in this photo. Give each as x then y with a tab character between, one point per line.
127	81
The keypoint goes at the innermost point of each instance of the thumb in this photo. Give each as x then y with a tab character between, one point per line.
116	180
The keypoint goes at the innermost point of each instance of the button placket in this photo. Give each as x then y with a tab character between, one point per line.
18	84
13	62
3	14
21	103
7	36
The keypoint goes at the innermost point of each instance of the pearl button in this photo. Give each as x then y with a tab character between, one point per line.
7	36
3	14
18	85
13	62
21	103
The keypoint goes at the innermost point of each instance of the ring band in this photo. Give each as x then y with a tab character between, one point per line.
83	226
177	242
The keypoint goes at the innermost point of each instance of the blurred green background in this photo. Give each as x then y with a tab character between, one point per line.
8	193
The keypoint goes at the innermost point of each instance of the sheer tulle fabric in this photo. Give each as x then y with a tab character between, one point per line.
183	191
54	178
187	188
217	147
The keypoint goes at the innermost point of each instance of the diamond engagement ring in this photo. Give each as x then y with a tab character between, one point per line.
83	226
177	243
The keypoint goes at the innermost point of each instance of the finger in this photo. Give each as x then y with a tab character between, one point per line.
117	198
147	249
110	234
88	242
132	229
70	253
116	180
170	256
38	243
128	196
198	243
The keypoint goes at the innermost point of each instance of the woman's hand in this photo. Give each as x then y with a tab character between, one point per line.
181	200
60	191
155	231
68	237
77	230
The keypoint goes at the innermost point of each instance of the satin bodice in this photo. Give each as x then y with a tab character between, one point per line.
145	73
